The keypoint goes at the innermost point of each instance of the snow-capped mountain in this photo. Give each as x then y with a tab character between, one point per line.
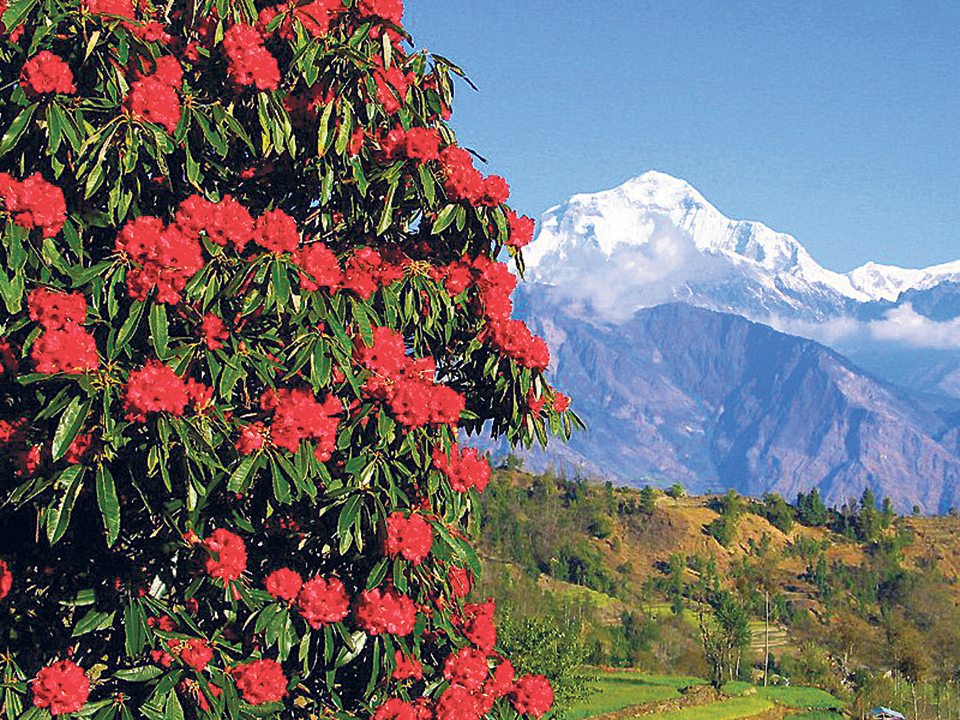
655	239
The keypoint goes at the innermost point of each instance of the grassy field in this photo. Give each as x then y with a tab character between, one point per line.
618	690
737	707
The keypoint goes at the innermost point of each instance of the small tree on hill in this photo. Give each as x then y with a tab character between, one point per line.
251	299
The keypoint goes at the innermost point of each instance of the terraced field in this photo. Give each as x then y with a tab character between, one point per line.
625	694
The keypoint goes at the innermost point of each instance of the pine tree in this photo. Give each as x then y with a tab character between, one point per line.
252	301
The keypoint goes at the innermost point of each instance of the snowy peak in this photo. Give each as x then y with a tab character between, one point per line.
658	232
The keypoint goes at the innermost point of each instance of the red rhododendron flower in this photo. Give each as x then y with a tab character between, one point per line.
34	203
196	654
391	10
395	709
298	416
276	232
284	584
478	625
56	310
323	601
521	229
467	668
46	73
393	86
61	688
154	97
66	350
228	557
167	258
560	401
252	438
214	331
408	536
495	191
79	448
459	578
386	611
513	338
406	667
534	403
6	579
423	143
458	703
463	180
532	695
260	681
223	222
320	267
123	8
463	468
501	681
154	388
8	358
249	62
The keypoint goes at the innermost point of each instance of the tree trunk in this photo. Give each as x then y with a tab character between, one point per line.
766	635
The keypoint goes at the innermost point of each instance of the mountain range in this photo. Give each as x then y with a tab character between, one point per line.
718	353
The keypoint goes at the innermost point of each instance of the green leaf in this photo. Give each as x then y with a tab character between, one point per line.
109	505
58	517
131	324
348	516
426	181
281	283
93	621
386	218
139	674
444	218
17	127
70	423
16	12
55	123
173	710
158	328
12	291
135	625
238	479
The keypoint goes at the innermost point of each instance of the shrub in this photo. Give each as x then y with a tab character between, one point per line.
251	298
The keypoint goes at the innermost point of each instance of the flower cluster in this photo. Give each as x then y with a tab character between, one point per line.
65	346
276	232
468	668
228	555
46	73
222	222
407	384
214	331
386	611
154	97
513	338
464	182
463	469
298	416
166	258
315	18
284	584
393	87
157	388
323	601
406	667
532	695
410	536
319	268
521	230
389	10
366	270
248	61
34	203
61	688
260	681
478	626
6	579
417	143
397	709
15	446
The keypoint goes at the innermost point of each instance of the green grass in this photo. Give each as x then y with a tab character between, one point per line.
738	707
801	697
736	687
618	690
817	715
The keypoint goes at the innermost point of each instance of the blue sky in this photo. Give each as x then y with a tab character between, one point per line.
837	122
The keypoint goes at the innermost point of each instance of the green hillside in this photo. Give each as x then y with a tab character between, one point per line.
857	601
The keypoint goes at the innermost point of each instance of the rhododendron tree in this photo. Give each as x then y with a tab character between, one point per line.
254	303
